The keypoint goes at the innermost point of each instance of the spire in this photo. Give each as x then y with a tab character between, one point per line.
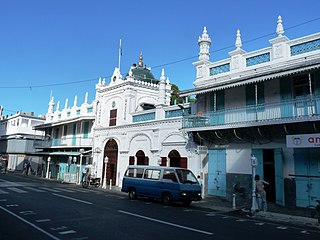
75	101
66	104
140	64
204	43
51	105
86	98
163	77
58	106
162	88
238	40
280	29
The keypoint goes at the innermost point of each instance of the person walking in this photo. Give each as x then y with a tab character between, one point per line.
261	193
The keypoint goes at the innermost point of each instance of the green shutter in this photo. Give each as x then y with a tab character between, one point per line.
279	176
85	129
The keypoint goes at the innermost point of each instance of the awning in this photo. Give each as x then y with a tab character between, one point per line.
252	79
59	153
67	121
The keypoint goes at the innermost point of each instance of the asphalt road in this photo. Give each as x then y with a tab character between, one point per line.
37	209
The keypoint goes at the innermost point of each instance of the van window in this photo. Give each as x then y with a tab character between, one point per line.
152	174
134	172
169	175
186	176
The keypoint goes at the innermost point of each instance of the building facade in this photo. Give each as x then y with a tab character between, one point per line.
67	139
256	104
130	121
136	125
17	139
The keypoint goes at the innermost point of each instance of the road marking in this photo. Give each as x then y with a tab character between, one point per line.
50	189
17	190
12	205
3	200
282	228
58	228
43	220
259	224
63	190
27	213
305	232
241	220
31	224
67	232
74	199
34	189
211	214
167	223
80	190
3	192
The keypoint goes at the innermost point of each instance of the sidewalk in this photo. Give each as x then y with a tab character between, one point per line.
292	215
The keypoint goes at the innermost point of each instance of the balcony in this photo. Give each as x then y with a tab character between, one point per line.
64	142
301	109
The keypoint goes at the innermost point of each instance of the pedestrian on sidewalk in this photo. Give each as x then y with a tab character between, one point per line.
261	195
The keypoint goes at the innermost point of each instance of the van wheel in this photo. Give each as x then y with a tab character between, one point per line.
132	193
167	199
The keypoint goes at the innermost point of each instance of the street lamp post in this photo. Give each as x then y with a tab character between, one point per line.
104	185
254	163
74	162
47	174
81	155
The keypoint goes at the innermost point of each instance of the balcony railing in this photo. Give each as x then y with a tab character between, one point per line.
64	141
302	107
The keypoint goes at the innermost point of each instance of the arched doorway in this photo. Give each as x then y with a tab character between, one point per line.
176	160
110	151
141	158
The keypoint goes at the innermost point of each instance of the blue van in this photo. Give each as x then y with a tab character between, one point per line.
166	183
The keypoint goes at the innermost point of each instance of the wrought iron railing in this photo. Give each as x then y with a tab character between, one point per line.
299	108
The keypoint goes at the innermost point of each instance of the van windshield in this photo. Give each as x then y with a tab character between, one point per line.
186	176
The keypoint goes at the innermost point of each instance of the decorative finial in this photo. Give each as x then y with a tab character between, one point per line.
103	81
238	40
168	81
99	83
86	98
58	106
140	64
66	104
204	30
75	101
162	78
130	72
280	29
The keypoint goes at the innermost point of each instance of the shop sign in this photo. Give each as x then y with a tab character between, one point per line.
303	141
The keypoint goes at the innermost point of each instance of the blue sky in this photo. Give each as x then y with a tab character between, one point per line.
46	45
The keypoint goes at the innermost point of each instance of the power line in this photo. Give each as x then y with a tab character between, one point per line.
156	66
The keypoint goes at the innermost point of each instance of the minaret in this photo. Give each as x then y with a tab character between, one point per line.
51	105
162	88
204	43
